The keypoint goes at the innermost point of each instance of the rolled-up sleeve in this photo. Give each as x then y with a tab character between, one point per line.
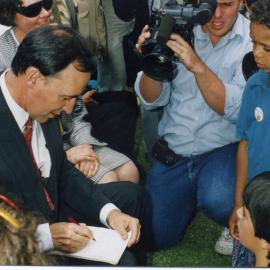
161	101
234	92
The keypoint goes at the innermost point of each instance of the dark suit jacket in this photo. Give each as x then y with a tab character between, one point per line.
66	185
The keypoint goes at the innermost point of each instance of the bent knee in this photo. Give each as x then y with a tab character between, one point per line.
217	209
128	172
108	177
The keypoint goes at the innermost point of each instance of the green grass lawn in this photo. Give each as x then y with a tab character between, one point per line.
196	249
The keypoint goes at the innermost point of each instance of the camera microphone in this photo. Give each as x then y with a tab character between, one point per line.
165	29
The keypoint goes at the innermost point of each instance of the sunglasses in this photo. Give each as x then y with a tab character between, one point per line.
34	9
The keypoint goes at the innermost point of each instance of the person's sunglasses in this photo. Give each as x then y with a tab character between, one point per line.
34	9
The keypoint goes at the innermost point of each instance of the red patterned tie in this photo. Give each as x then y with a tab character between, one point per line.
27	133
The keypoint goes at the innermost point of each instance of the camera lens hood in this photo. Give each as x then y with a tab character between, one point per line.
157	62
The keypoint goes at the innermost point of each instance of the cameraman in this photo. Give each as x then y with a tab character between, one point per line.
201	105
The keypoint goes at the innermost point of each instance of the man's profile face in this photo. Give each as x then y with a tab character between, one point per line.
260	35
52	95
223	19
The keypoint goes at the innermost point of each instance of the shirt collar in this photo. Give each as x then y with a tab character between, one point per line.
237	30
13	35
261	78
18	112
238	27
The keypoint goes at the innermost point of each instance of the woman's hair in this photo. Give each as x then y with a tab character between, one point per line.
18	245
8	10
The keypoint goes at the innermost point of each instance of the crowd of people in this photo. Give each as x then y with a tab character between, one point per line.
207	138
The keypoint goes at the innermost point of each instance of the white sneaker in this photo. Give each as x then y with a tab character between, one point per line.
224	244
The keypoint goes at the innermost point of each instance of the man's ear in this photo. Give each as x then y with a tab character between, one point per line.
264	244
33	75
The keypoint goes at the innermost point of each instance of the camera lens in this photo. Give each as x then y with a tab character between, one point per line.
161	59
157	62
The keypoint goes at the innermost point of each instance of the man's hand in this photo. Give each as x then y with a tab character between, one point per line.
124	223
70	237
184	52
145	34
89	166
233	224
80	152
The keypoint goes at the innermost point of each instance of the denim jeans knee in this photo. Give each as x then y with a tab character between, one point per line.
171	204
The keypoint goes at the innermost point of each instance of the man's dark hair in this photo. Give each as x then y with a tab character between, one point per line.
8	10
256	199
51	49
260	12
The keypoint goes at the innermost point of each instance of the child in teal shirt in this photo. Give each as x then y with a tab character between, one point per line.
253	124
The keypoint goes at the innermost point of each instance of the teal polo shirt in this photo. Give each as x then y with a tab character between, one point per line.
253	123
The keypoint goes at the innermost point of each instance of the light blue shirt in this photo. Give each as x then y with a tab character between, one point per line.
188	124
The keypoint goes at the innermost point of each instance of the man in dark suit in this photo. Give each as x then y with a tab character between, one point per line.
51	67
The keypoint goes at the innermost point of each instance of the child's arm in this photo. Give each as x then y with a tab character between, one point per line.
241	181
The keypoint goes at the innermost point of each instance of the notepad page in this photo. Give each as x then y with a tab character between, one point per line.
108	247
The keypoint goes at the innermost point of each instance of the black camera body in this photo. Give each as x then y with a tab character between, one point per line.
157	58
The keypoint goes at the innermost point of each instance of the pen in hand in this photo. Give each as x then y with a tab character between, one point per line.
73	220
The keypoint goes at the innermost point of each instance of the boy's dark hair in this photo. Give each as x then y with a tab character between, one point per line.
51	49
256	199
260	12
8	10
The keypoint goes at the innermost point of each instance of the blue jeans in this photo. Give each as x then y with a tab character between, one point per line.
174	193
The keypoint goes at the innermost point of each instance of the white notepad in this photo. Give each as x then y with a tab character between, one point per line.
108	247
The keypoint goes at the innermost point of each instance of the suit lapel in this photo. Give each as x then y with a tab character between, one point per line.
52	143
12	140
15	154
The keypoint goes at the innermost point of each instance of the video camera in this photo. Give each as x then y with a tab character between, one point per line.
157	58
